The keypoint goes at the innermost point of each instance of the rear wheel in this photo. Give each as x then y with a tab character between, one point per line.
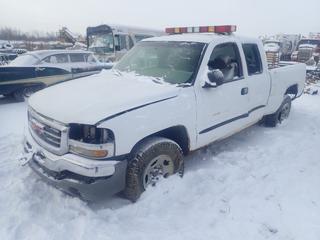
280	115
153	159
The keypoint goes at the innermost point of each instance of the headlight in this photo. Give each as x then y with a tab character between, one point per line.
90	141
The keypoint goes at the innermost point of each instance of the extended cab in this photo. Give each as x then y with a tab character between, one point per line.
121	130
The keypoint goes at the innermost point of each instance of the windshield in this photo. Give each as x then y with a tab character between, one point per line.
309	41
23	60
101	43
172	62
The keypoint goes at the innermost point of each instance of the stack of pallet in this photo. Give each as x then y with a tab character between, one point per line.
273	59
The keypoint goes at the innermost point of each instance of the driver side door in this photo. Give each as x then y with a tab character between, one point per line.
222	110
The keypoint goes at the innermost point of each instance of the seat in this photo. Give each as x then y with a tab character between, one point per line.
226	66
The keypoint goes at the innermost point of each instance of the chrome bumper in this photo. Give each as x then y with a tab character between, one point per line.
68	162
88	179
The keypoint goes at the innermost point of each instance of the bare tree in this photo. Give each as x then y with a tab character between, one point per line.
10	34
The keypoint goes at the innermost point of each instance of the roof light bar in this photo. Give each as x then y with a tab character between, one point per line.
202	29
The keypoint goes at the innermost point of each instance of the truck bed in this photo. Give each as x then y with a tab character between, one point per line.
288	75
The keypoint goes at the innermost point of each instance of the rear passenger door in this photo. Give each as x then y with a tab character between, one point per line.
79	65
54	69
77	60
258	80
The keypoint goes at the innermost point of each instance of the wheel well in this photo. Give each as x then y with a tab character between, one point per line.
292	90
177	134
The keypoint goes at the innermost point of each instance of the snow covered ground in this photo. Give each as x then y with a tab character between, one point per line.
262	183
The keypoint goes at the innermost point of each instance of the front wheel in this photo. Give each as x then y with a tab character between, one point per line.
154	158
280	115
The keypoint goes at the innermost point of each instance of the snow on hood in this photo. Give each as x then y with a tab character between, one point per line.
90	99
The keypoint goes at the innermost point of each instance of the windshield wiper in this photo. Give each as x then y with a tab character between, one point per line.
157	80
184	84
117	72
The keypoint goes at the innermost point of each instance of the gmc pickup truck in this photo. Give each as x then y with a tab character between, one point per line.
123	129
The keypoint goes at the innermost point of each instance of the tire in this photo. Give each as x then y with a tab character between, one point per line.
19	95
280	115
143	171
24	93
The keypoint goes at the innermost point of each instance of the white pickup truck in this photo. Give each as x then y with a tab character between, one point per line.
121	130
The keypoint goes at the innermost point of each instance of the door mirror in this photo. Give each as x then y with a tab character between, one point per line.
215	78
117	47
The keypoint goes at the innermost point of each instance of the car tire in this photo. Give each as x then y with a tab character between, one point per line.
19	95
22	94
280	115
150	160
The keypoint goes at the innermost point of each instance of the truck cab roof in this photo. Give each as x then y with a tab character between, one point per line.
201	38
45	53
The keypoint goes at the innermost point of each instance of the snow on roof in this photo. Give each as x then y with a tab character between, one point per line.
200	37
187	37
44	53
307	45
136	30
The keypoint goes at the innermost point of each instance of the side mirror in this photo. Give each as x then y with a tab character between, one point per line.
215	78
117	48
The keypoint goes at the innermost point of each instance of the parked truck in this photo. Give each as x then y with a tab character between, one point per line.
307	49
122	130
283	44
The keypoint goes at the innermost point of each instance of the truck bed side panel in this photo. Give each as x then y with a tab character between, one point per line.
293	74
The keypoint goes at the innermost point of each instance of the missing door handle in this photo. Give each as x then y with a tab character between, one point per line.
244	91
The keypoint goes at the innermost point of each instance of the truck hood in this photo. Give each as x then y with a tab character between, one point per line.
89	100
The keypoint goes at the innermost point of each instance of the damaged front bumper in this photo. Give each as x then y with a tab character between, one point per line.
85	178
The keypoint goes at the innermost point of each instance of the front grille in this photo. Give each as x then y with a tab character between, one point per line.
48	133
304	55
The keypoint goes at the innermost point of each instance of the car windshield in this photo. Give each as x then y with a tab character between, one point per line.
101	43
172	62
23	60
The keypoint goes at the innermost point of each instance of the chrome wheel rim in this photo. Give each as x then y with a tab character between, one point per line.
285	112
160	166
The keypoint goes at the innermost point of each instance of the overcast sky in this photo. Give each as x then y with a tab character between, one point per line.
253	17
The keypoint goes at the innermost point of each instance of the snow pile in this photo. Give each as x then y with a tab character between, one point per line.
260	184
